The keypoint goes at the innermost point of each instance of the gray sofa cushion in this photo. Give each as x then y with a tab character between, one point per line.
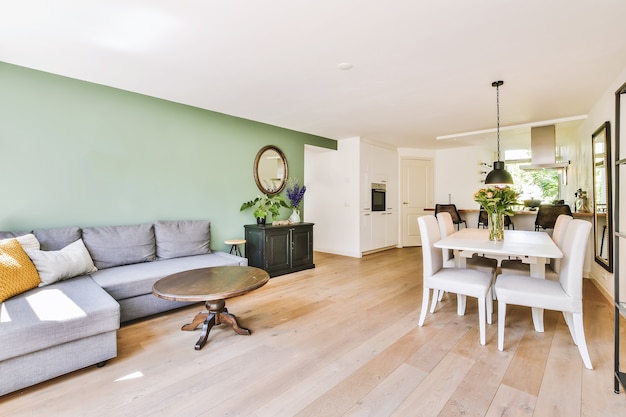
9	235
55	314
111	246
138	279
182	238
57	238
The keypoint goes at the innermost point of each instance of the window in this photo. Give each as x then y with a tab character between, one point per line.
544	184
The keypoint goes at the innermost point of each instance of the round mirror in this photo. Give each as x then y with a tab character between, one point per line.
270	170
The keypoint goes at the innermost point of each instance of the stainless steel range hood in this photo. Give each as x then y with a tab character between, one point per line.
543	149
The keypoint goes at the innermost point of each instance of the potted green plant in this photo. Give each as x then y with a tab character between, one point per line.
264	205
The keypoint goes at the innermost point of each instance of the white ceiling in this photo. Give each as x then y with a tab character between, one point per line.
420	68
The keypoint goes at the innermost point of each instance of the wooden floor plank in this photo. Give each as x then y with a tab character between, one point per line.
531	354
475	393
386	396
435	390
562	377
511	402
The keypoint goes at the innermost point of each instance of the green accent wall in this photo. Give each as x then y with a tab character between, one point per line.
81	154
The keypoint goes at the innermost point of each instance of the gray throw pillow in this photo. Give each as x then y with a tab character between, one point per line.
10	235
57	238
175	239
111	246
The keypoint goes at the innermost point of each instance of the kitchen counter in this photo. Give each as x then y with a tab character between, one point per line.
524	212
523	219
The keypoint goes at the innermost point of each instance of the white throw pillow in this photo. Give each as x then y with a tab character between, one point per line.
28	241
71	261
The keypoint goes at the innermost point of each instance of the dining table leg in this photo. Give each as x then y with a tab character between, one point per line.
537	267
459	262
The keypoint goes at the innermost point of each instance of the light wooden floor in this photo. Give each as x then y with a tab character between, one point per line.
343	340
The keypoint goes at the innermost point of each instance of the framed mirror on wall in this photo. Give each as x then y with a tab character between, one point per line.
270	170
602	199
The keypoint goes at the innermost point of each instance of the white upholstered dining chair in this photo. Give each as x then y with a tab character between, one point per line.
480	263
552	269
564	295
468	282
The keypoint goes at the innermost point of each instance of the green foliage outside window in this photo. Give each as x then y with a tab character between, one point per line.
540	184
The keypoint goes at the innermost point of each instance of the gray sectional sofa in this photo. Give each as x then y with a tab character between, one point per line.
70	323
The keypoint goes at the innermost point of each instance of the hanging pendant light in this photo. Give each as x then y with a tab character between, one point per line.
498	175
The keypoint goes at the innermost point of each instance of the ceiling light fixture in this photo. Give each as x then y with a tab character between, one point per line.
345	66
498	176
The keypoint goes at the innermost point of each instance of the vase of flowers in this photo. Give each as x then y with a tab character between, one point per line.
295	193
497	202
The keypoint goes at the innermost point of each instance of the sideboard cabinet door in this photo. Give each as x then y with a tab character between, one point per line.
280	249
277	250
302	246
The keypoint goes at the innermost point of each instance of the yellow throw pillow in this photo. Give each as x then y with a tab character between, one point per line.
17	272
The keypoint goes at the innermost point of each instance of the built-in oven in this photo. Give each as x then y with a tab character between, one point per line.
378	196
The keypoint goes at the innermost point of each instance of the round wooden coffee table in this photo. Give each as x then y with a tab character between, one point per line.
213	286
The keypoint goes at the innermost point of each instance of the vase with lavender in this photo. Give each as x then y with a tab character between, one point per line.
295	193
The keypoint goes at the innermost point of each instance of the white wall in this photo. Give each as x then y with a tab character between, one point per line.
332	181
457	175
603	110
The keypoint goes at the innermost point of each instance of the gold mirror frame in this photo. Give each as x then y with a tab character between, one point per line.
270	170
602	197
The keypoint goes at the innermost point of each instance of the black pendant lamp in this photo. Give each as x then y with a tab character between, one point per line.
498	175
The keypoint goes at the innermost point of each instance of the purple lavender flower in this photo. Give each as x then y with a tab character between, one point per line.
295	192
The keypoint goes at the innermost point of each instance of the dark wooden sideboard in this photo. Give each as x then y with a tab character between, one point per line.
280	250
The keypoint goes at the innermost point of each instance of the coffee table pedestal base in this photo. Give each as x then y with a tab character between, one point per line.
216	314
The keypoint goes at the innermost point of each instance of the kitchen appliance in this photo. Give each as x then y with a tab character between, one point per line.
543	149
379	192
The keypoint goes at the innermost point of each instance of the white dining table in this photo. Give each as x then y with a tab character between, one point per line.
533	248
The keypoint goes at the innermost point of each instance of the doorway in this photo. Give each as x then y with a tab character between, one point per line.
416	195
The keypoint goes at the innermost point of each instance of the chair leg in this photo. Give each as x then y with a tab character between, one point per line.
580	339
538	319
570	325
501	322
489	302
425	297
461	300
481	319
436	296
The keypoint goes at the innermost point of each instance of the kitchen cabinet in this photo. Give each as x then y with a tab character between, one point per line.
379	229
280	250
391	229
366	232
378	164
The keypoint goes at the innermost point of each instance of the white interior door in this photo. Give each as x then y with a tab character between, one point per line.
417	195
